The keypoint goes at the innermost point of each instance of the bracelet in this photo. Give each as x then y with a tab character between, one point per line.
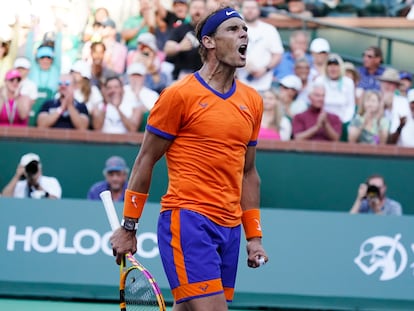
251	223
134	203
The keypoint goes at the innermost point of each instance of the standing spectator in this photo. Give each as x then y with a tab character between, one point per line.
140	23
316	123
340	92
406	81
115	52
369	125
29	181
14	106
372	199
181	47
99	72
264	50
298	46
137	93
27	86
167	20
371	68
319	49
402	134
93	29
116	177
65	111
118	115
275	125
146	53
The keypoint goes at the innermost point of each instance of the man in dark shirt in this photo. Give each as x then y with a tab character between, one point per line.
315	123
182	46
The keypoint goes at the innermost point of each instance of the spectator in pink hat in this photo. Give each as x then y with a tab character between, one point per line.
14	107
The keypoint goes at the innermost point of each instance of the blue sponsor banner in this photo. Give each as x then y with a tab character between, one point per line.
60	248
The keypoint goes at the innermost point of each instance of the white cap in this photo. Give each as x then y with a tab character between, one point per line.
22	62
29	157
83	68
291	82
410	95
319	45
149	40
136	69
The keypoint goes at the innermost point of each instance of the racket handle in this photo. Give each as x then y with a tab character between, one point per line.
106	198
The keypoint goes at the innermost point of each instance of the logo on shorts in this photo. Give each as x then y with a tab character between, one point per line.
228	13
203	288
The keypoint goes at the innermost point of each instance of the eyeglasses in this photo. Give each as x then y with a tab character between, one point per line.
64	83
15	79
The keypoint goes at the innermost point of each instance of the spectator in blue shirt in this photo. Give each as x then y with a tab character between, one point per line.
116	177
371	69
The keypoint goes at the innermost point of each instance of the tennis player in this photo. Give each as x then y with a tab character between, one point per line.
207	124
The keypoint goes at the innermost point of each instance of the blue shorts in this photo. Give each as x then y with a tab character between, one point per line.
199	256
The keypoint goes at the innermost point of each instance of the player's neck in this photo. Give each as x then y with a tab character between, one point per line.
217	77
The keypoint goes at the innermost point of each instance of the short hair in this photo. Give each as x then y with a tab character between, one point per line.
97	43
377	51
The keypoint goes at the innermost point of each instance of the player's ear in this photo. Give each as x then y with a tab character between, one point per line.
208	42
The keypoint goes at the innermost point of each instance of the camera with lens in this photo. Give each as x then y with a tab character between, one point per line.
31	169
373	192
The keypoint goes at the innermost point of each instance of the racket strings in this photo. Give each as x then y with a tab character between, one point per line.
139	294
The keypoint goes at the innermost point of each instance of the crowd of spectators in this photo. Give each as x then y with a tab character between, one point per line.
92	69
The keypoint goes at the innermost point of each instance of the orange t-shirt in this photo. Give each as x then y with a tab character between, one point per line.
211	133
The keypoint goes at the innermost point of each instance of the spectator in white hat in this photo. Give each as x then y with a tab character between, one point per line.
27	86
289	88
84	91
29	182
319	49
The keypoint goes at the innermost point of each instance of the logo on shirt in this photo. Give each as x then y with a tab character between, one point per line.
203	105
243	107
228	13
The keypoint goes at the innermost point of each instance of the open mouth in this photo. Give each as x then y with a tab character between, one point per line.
243	49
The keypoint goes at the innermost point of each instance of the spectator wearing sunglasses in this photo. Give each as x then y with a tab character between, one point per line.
14	107
371	69
64	111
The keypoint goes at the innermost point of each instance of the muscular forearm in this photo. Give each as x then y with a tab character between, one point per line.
250	197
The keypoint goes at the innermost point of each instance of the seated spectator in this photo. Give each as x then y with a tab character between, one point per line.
147	53
29	181
402	134
316	123
116	180
118	114
369	125
84	91
406	81
302	71
14	106
319	49
371	68
275	125
289	89
372	199
64	111
352	73
298	7
298	47
27	86
137	93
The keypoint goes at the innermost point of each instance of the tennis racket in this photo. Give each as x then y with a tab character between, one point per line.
137	287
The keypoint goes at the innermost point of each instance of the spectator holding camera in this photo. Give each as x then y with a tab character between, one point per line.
29	182
371	199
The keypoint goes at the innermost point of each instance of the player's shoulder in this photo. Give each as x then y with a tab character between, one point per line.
247	90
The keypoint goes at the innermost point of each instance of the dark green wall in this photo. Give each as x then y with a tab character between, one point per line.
293	180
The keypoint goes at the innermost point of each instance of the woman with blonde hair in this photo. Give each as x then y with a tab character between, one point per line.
370	125
275	125
14	107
